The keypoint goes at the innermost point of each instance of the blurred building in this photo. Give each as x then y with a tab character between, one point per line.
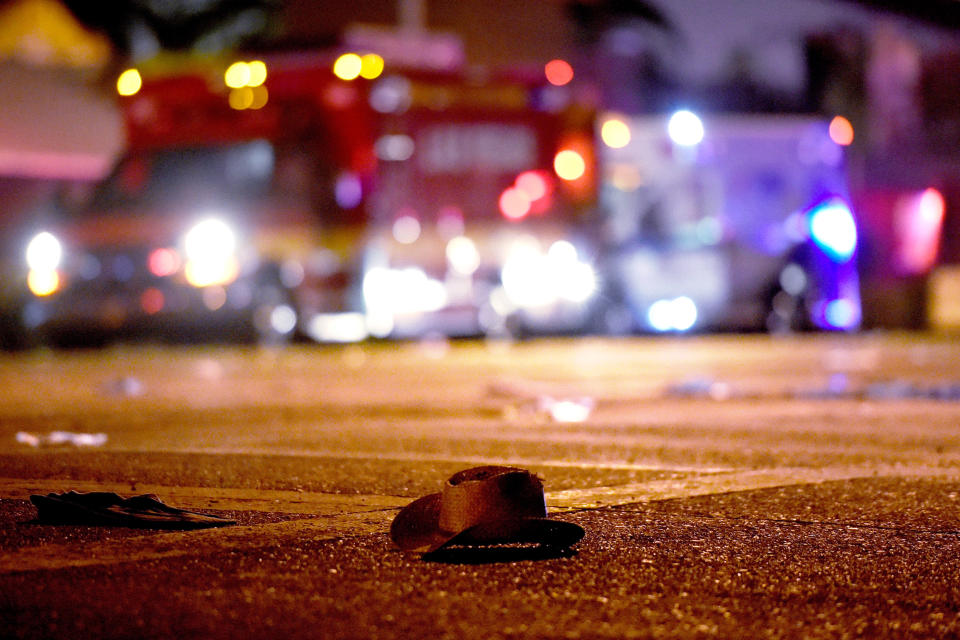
55	123
887	66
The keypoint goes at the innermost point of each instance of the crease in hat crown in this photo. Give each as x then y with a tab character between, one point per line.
482	506
490	494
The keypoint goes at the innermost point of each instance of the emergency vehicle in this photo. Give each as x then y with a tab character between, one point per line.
729	222
283	195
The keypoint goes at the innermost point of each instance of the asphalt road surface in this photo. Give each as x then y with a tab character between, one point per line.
733	487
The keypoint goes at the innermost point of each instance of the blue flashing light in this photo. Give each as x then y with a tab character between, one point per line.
832	227
842	313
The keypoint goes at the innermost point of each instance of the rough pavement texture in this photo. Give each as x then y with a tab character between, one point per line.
752	565
777	505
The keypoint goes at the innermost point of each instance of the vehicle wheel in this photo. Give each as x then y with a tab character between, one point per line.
786	301
273	316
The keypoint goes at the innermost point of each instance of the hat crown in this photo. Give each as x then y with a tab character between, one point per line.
490	494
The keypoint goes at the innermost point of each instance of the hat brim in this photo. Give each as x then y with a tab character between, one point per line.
417	528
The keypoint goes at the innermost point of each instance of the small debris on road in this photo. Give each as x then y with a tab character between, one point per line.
567	409
701	387
61	438
124	386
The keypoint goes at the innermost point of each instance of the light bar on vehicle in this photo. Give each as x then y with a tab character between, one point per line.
685	128
833	229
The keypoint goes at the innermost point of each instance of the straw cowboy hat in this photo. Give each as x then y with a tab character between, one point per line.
482	506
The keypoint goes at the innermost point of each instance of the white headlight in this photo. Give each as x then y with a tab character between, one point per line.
44	252
533	279
677	314
685	128
462	255
209	239
209	246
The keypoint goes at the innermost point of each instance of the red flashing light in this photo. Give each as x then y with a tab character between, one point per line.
533	184
163	262
919	224
558	72
514	204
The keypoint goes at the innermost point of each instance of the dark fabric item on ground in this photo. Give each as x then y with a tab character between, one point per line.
102	508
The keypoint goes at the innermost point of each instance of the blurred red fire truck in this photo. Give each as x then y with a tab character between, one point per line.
308	195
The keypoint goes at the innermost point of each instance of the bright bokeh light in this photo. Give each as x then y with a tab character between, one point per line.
677	314
659	316
240	74
394	147
514	203
533	184
391	95
204	273
283	319
841	131
569	164
569	410
348	190
558	72
237	75
129	82
248	98
406	229
214	297
685	128
371	66
562	252
533	279
258	73
920	224
842	313
524	274
163	262
43	283
402	291
241	98
463	256
342	327
932	207
210	246
348	66
44	252
260	97
210	237
615	133
832	227
575	280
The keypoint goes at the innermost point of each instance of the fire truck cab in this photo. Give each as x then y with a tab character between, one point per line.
275	197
